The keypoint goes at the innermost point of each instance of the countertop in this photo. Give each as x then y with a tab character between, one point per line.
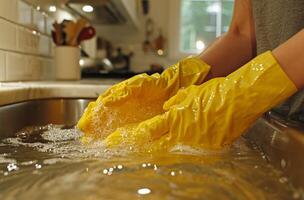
13	92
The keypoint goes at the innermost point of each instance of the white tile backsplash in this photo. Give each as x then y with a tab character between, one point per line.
2	66
44	45
7	35
16	67
34	67
49	25
47	70
25	42
39	21
8	9
19	67
24	13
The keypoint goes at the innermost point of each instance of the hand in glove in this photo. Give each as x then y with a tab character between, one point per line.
213	114
139	98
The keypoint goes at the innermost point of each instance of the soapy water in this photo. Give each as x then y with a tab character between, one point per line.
50	162
101	120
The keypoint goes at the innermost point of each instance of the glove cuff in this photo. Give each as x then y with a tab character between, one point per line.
193	71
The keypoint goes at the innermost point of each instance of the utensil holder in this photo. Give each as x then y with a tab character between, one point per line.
67	63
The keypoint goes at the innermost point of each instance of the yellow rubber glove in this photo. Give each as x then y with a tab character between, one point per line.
213	114
139	98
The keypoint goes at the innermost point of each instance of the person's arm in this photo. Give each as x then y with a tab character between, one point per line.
236	47
290	55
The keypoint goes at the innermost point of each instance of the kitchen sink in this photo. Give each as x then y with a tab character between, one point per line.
280	146
40	112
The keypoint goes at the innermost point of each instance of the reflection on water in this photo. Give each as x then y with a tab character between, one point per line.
50	163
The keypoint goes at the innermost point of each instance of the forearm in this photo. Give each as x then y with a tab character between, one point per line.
237	46
290	55
228	53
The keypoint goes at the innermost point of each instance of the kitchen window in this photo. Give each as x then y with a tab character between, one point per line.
202	21
197	24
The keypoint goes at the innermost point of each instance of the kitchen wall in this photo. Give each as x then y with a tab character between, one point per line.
131	39
25	43
26	46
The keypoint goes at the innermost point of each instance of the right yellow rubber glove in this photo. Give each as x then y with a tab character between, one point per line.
214	114
139	98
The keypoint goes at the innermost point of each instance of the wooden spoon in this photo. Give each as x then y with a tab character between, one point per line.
86	34
58	33
70	31
80	24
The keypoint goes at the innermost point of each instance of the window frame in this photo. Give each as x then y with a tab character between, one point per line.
174	30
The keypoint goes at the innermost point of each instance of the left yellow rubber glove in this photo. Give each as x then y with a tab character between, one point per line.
139	98
213	114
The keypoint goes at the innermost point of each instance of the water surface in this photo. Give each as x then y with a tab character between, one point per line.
50	163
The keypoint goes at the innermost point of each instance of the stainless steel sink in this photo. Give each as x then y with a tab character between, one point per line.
40	112
283	146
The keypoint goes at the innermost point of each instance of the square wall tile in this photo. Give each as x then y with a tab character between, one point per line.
8	9
39	21
16	67
48	69
49	24
20	67
2	66
34	67
44	45
24	13
27	40
7	35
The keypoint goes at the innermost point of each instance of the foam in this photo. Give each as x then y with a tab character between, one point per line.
63	143
101	121
56	134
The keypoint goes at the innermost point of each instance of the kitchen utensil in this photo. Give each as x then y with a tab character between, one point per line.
145	6
70	31
149	29
80	24
58	33
54	38
159	44
86	34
